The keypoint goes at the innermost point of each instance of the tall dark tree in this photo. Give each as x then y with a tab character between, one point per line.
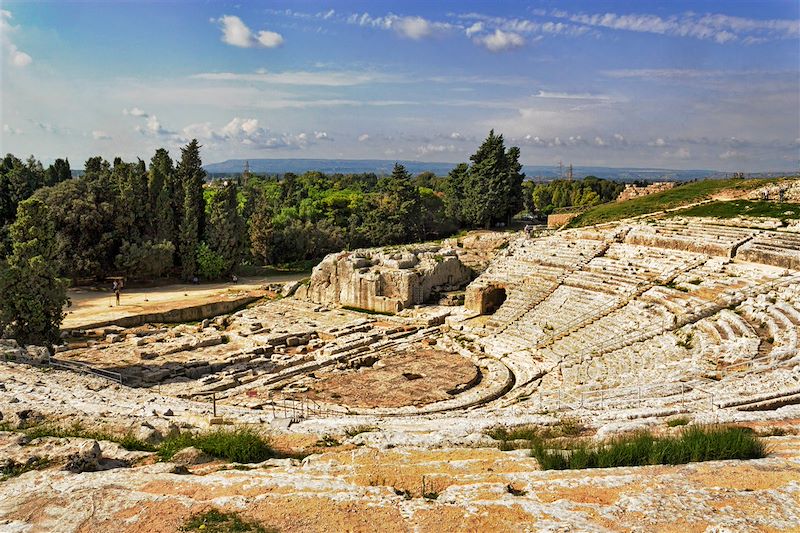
493	189
454	192
160	186
396	217
57	172
31	309
225	230
192	176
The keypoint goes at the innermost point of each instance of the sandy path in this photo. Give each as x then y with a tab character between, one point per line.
91	305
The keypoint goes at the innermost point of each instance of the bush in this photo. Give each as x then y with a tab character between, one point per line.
76	430
680	421
210	264
695	443
238	445
215	521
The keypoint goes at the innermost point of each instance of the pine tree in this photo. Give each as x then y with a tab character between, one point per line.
398	216
192	176
225	229
493	188
31	309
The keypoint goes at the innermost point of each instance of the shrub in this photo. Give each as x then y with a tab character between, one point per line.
695	443
215	521
76	430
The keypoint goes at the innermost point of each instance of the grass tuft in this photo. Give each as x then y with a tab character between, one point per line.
215	521
679	421
11	468
695	443
77	430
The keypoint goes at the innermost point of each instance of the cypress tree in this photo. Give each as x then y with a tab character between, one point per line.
159	186
225	229
31	309
192	176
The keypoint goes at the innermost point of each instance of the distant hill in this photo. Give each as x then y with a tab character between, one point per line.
384	167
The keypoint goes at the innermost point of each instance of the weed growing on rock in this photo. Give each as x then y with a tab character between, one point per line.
215	521
77	430
695	443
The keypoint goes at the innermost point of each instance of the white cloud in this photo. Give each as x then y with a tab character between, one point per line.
456	136
269	39
411	27
680	153
11	131
98	135
236	33
435	149
134	112
571	96
363	137
721	29
500	40
322	136
475	28
16	57
248	132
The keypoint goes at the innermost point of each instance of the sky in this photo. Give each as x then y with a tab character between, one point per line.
658	84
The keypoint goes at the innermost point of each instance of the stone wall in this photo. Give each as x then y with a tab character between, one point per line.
386	281
633	191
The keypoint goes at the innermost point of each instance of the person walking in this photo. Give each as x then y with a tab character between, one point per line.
117	289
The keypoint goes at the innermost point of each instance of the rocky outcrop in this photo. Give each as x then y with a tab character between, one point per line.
386	280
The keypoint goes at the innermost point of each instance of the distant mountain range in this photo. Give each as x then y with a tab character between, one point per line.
384	167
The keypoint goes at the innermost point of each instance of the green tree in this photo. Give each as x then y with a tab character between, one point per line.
192	176
226	228
493	188
210	264
454	192
160	187
31	309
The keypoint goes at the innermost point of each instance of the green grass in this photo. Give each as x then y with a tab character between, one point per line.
77	430
681	195
736	208
237	445
11	468
215	521
695	443
679	421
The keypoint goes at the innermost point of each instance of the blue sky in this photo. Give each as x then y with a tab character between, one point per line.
614	83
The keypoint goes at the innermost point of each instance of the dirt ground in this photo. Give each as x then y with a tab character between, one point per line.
90	305
411	378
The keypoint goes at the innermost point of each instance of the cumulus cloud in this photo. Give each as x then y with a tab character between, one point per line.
322	136
363	137
475	28
236	33
499	41
248	132
98	135
15	56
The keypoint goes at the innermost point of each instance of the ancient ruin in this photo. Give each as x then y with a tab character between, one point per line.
621	326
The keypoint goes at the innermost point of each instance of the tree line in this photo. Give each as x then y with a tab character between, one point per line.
164	219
